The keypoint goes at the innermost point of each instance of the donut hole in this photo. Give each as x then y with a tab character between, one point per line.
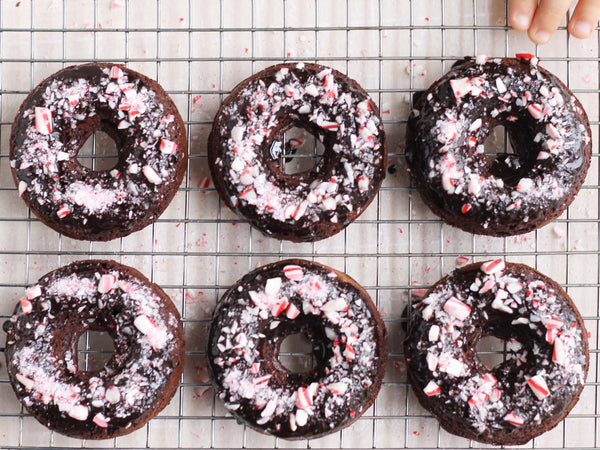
297	353
94	350
99	152
501	149
491	351
298	149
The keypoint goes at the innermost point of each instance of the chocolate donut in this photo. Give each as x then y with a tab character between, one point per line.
55	121
246	138
133	386
516	193
349	346
546	353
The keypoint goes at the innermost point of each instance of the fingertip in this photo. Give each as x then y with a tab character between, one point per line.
539	35
519	20
580	29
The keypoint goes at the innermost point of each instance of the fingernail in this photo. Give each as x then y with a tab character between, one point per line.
541	36
520	21
581	29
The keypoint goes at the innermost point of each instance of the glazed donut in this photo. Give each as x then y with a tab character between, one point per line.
133	386
546	353
55	121
246	138
517	193
349	346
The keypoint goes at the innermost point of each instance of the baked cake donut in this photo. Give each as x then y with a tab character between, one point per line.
546	353
244	149
133	386
59	116
349	344
516	193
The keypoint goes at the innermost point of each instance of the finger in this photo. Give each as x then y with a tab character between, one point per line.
547	18
520	13
585	18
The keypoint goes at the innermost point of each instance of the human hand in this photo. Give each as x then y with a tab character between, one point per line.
541	20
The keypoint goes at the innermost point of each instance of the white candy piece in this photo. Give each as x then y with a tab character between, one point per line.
168	147
481	59
294	273
26	306
113	395
79	412
500	85
538	386
269	409
106	283
26	382
292	312
272	286
338	304
304	398
43	120
311	90
33	291
338	388
461	87
301	417
476	125
144	324
363	183
514	419
432	361
452	366
22	188
151	175
100	420
492	267
434	333
432	389
524	185
237	133
457	309
559	354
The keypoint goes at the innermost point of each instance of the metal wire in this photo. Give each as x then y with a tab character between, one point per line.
197	249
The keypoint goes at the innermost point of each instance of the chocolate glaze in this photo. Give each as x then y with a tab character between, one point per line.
319	202
134	385
514	194
349	344
546	339
142	120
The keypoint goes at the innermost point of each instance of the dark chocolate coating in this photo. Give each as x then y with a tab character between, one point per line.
41	351
345	380
464	404
547	127
262	108
106	204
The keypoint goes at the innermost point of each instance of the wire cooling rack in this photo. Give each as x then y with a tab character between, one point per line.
199	50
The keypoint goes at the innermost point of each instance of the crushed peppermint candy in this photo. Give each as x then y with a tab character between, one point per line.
446	154
538	386
333	310
86	292
42	162
248	128
545	359
432	389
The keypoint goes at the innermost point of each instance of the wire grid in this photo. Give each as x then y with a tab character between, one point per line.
199	51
